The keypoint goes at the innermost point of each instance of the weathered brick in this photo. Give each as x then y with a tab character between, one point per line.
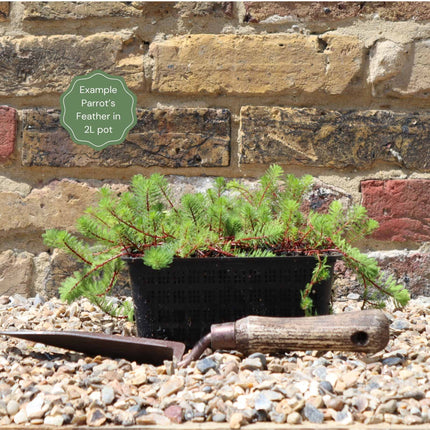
401	70
77	10
273	12
56	205
192	9
401	206
162	137
4	10
411	268
36	65
257	64
7	131
300	11
398	10
16	272
322	138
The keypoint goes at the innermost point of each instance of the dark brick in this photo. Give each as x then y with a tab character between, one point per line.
298	11
36	65
164	138
192	9
7	131
43	11
337	11
4	10
321	138
401	206
399	10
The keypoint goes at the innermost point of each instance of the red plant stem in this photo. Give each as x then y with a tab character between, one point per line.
76	253
99	266
135	228
115	274
168	199
220	251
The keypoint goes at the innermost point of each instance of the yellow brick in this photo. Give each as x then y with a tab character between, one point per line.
256	64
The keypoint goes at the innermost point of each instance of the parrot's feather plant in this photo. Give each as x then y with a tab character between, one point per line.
228	220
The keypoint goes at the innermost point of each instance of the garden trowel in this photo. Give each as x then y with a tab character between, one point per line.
361	331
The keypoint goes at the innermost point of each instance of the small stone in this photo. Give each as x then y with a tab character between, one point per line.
236	421
350	378
56	420
294	418
261	357
262	403
360	403
206	364
20	417
393	361
325	387
173	385
313	414
107	395
344	417
96	417
34	408
218	417
152	419
12	407
175	414
335	403
229	367
252	364
277	417
389	407
138	377
400	325
124	418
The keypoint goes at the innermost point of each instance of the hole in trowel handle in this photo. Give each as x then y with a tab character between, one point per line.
360	338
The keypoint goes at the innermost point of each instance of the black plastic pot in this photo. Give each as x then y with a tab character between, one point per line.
181	302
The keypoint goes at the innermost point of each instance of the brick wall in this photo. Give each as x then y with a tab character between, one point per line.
340	90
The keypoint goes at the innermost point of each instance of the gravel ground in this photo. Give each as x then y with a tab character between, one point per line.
51	386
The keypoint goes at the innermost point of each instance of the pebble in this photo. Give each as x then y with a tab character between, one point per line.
42	385
236	421
174	384
252	364
261	357
206	364
56	420
152	419
107	395
12	407
313	414
294	418
262	403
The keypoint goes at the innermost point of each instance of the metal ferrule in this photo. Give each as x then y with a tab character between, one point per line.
223	336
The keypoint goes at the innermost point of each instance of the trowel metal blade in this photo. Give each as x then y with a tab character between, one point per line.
139	349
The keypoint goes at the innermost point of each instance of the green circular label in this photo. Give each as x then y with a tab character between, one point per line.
98	110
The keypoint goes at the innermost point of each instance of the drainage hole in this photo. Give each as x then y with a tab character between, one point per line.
360	338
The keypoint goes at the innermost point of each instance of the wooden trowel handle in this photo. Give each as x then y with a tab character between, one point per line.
366	331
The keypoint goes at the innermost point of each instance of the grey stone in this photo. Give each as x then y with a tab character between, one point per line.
206	364
262	403
261	357
393	361
312	414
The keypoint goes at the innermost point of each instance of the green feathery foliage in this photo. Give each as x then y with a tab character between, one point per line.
230	219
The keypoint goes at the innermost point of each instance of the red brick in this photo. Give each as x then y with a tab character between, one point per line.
402	208
7	131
